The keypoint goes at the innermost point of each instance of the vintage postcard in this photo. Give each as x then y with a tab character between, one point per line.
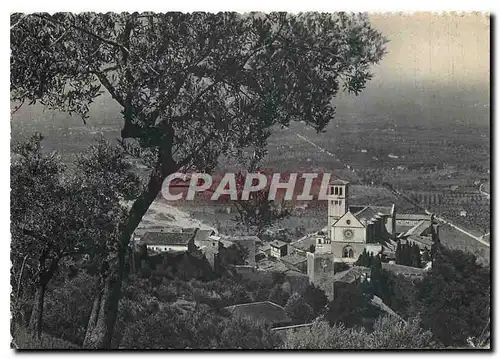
261	180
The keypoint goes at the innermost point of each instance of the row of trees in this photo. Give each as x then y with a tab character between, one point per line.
58	216
408	254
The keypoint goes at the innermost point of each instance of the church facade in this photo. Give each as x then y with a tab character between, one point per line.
352	229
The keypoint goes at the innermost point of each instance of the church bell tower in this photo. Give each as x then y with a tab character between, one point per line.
337	201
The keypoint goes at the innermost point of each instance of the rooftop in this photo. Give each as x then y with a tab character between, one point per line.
365	214
293	259
278	244
245	238
203	234
339	182
304	243
403	228
166	238
350	275
383	210
419	228
274	266
267	312
413	217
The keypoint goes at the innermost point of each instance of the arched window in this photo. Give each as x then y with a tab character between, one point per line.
347	252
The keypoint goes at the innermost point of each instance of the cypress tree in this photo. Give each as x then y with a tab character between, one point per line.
398	252
415	256
426	256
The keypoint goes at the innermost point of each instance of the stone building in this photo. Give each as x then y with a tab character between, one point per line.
351	229
320	270
354	228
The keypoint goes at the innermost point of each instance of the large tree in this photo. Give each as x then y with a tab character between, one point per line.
191	87
44	226
57	214
105	181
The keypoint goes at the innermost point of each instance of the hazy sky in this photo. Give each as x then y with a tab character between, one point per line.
449	49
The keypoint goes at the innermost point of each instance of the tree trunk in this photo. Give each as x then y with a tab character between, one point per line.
45	275
95	311
35	325
99	336
104	313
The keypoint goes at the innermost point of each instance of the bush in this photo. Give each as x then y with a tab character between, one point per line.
298	310
171	328
241	333
316	298
322	336
388	333
24	340
67	308
351	307
392	333
196	328
278	295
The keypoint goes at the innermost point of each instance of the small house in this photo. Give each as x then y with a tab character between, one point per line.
278	248
168	241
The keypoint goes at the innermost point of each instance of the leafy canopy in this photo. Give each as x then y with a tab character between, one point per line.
194	86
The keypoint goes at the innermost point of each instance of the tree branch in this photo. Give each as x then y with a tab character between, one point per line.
85	31
195	152
107	84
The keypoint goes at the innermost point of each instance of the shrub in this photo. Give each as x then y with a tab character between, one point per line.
388	333
67	308
24	340
196	328
316	298
392	333
278	295
298	310
351	307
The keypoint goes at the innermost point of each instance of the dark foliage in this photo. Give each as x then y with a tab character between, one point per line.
352	307
316	298
278	295
298	309
340	267
455	297
408	254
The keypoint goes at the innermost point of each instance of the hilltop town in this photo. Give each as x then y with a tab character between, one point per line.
332	258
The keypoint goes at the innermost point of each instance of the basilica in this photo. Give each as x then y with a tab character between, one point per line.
352	229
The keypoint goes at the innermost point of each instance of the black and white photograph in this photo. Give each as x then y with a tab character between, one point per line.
264	180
